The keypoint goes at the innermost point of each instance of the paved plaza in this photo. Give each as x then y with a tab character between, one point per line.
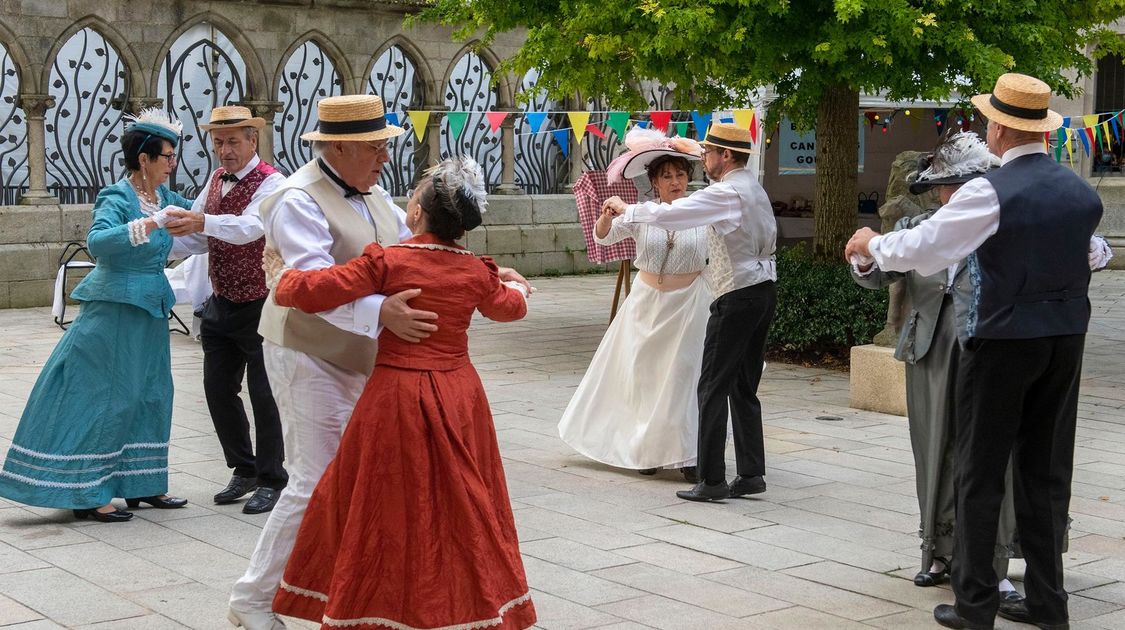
831	544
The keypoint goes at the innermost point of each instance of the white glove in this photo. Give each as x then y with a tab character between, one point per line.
517	286
1099	253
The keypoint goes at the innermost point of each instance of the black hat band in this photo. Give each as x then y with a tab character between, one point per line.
1018	112
228	121
352	126
713	139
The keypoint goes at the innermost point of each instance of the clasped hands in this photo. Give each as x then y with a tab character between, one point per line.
614	206
858	250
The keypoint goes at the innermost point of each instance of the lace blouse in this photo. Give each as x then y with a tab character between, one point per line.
688	253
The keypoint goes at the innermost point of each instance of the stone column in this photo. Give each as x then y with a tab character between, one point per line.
508	157
433	134
35	107
577	160
137	103
266	110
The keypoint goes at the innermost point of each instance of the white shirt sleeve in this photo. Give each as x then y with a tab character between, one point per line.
717	205
299	230
956	230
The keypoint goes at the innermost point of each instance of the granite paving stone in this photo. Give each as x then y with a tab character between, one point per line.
831	544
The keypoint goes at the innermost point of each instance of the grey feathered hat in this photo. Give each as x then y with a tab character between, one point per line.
959	158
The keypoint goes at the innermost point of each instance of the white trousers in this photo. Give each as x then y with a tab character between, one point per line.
315	400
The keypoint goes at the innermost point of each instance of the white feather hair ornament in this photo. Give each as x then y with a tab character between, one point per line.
464	174
962	153
154	118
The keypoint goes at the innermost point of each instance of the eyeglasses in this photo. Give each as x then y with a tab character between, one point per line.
171	157
380	146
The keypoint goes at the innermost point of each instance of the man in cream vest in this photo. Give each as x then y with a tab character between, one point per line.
742	273
323	214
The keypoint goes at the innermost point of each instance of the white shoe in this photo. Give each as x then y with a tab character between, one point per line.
255	620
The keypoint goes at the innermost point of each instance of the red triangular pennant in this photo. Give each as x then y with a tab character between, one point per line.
660	120
594	130
495	119
754	129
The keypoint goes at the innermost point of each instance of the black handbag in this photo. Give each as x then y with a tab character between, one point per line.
869	204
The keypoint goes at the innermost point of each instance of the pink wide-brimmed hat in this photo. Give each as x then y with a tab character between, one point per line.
644	146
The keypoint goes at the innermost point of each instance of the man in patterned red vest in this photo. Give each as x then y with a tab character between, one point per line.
225	216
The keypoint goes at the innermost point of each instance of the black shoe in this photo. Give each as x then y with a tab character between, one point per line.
263	501
946	615
167	503
933	578
742	486
116	516
703	491
1015	609
648	472
238	487
691	475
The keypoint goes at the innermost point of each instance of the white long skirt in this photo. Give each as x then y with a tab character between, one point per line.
636	407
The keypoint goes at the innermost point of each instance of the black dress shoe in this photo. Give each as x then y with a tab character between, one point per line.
704	491
742	486
648	472
263	501
690	473
116	516
933	578
237	488
163	503
946	615
1014	609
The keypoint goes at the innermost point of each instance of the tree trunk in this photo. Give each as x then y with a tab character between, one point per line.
837	165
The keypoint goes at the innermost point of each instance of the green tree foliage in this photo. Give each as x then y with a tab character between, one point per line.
815	53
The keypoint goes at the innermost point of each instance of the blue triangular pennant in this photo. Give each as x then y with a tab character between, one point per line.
643	124
535	119
1066	121
702	123
392	118
562	136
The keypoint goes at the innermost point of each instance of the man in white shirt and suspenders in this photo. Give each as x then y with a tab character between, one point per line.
742	274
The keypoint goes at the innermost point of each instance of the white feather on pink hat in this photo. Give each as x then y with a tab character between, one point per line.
645	145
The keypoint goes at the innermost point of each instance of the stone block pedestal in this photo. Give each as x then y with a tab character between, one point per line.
878	380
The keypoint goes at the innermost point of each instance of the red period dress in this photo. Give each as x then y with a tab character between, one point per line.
411	525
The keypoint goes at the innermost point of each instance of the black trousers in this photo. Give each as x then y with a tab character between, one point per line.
732	368
1016	398
232	348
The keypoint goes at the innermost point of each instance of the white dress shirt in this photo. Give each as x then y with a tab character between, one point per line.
237	230
717	205
956	230
298	228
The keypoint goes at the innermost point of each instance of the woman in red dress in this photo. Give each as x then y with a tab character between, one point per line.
411	525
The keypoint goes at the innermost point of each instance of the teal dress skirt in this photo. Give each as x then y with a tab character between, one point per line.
98	420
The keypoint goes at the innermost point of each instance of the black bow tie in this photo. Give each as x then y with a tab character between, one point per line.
349	191
229	177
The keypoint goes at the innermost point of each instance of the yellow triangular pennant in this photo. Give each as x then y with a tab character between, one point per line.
1105	135
578	122
419	120
1091	120
743	118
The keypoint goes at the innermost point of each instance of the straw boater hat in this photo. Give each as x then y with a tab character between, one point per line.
356	117
960	157
729	136
644	146
1020	102
230	116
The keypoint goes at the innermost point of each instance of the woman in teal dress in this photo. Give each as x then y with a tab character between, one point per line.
98	420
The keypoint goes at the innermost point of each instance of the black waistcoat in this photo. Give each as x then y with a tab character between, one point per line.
1030	278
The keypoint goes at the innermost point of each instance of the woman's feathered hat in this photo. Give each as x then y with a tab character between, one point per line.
157	123
960	157
644	146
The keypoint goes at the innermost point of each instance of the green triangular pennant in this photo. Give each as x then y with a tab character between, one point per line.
681	128
617	121
456	123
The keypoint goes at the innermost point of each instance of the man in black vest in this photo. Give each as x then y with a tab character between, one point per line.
1025	229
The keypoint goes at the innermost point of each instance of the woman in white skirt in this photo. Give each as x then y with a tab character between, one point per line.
636	407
